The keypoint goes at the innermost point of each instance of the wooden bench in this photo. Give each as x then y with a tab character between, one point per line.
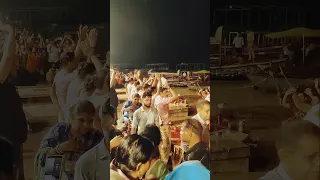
33	91
230	156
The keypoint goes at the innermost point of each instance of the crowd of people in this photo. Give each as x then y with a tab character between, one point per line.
37	54
92	138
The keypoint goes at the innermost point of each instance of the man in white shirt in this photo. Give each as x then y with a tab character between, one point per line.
164	81
145	115
53	52
75	87
238	43
297	145
203	116
250	41
129	87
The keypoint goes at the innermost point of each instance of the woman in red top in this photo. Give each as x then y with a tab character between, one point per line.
33	61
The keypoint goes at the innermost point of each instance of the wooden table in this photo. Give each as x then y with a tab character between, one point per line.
234	135
230	156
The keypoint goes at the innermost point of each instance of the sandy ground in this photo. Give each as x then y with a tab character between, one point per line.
43	115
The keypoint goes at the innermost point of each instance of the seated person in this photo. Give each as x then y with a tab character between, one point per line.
298	145
70	140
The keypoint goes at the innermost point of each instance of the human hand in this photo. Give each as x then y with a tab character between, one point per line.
176	156
316	83
115	142
308	91
82	32
291	90
71	145
92	36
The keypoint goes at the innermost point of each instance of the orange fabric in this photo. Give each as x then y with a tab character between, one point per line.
32	62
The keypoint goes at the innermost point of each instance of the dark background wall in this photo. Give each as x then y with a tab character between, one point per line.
166	31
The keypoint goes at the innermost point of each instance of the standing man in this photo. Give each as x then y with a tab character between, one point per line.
145	115
238	44
162	104
250	40
203	116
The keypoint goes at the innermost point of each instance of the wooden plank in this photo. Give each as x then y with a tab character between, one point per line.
33	91
229	149
248	64
230	156
240	165
234	135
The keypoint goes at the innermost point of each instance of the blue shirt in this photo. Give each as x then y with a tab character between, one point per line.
128	114
189	170
60	133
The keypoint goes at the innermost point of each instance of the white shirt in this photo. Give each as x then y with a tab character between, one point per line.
53	53
62	81
141	118
74	91
314	115
133	90
129	86
197	117
164	82
207	98
238	42
98	99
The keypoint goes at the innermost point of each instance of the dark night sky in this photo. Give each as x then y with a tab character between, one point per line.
166	31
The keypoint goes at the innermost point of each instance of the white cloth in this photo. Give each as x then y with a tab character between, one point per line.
197	117
207	98
62	81
74	91
314	115
238	42
129	87
53	53
164	82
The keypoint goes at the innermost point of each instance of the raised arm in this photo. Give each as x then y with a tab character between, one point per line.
8	51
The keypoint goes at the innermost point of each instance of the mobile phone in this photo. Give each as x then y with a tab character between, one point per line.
53	167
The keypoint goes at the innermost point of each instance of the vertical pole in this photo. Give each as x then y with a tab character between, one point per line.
303	51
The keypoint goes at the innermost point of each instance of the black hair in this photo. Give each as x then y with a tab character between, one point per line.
90	84
162	89
67	58
108	109
152	132
83	106
133	149
136	95
85	68
146	94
